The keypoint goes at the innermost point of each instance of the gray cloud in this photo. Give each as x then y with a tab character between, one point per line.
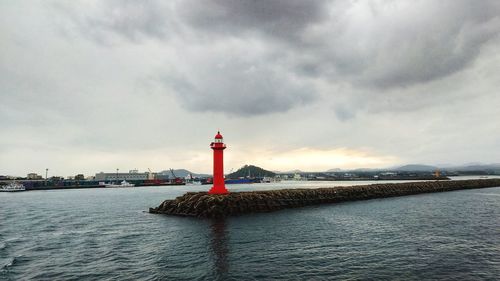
105	22
388	44
239	87
397	44
371	45
279	18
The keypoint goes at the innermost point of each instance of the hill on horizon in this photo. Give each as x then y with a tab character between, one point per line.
334	170
296	171
475	167
252	171
416	168
182	173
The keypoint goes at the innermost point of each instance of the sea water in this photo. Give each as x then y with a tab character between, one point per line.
107	234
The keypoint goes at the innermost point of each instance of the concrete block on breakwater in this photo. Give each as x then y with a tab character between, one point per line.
204	205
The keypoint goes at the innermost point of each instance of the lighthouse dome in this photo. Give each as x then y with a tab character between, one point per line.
218	136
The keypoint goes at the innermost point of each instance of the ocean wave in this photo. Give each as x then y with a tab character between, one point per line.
487	194
12	262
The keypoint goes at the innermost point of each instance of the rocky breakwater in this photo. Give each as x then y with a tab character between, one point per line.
204	205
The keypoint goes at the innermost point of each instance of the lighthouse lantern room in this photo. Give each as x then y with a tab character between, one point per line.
218	147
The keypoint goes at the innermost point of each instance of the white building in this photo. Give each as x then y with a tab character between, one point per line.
132	175
33	176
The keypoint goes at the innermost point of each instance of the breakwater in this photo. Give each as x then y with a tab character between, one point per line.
204	205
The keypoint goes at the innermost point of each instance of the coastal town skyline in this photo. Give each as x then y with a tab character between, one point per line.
471	168
291	85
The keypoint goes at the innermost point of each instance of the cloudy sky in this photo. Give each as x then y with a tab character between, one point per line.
89	86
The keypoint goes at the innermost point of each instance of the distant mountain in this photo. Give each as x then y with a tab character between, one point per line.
475	167
252	171
293	172
364	170
182	173
416	168
473	164
334	170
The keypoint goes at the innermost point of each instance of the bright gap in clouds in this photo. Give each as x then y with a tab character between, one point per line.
311	159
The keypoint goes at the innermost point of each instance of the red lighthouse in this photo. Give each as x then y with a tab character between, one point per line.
218	146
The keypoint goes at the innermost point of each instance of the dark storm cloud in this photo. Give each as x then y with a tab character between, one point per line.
239	87
403	46
375	45
247	84
383	44
280	18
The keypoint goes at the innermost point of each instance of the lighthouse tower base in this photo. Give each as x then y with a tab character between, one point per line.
218	190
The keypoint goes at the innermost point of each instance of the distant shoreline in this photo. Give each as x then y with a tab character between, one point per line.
89	186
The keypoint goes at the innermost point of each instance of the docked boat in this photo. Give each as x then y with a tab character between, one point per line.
124	183
239	181
207	181
12	187
266	180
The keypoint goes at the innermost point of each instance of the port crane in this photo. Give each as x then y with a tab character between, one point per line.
172	172
150	174
176	180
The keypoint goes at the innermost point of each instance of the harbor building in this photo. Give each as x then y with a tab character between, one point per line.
130	176
33	176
